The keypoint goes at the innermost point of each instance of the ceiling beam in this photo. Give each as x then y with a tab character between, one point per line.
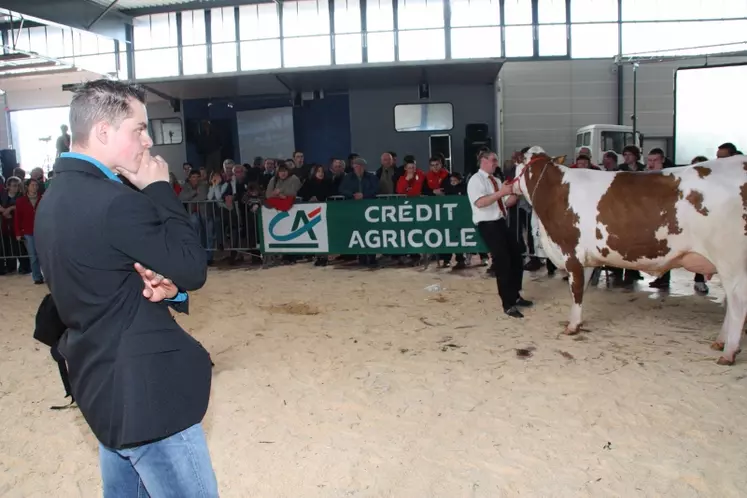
103	13
192	5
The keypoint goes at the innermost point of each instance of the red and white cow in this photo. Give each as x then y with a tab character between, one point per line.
692	217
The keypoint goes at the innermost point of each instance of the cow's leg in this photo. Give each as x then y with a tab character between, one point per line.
578	278
736	310
718	344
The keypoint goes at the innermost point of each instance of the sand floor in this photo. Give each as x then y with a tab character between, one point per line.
333	382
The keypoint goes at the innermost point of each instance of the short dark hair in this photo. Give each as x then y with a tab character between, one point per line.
730	148
699	159
656	151
409	158
583	157
525	150
436	159
297	152
194	172
632	149
611	155
101	100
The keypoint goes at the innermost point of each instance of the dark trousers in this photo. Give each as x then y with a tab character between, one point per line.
507	259
668	276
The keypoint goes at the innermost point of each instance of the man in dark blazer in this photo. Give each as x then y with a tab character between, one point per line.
115	260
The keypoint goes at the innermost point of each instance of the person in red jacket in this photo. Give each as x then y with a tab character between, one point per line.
437	177
24	225
411	182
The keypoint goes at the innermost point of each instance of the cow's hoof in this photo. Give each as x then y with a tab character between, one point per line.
725	361
717	346
571	330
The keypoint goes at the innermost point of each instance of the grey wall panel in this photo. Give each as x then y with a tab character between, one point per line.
372	120
655	107
545	102
175	155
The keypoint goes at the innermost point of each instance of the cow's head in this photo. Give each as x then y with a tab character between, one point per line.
528	173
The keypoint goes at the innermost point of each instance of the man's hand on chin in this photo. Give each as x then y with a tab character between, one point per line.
157	288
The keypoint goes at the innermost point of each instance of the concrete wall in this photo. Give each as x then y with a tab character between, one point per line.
372	120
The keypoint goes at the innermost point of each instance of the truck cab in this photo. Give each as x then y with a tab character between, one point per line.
600	138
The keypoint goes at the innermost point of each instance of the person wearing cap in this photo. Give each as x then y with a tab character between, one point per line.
489	200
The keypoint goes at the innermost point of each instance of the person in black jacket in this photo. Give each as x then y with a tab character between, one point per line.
141	382
317	189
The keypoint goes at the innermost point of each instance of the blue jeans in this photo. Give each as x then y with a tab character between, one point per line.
205	227
36	272
176	467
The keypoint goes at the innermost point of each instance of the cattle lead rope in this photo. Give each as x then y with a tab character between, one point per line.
542	173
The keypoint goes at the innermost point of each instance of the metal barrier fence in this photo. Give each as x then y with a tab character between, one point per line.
227	226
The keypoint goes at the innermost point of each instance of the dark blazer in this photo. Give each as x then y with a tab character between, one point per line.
136	374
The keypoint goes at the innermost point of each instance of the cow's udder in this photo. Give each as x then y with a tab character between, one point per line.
696	263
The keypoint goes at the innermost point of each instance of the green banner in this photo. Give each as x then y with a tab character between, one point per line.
381	226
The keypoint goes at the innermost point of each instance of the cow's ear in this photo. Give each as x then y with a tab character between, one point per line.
559	159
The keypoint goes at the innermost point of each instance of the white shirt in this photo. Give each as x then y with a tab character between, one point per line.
480	186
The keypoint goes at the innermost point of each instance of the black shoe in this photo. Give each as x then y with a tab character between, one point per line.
459	266
659	284
39	282
513	312
534	264
490	272
524	303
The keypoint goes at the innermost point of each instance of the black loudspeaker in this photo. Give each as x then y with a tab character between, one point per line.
9	162
477	132
471	149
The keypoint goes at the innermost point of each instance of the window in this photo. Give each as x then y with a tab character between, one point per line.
155	41
223	39
306	18
347	16
423	117
307	51
519	41
348	49
166	131
552	32
616	140
259	30
579	140
593	10
469	13
480	42
380	47
194	48
586	141
260	54
379	15
663	10
259	22
676	38
518	11
420	14
594	40
380	34
38	40
420	45
348	38
22	41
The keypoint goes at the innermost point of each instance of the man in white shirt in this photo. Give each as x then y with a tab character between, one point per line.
489	200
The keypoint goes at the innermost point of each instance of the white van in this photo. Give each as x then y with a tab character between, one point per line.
600	138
